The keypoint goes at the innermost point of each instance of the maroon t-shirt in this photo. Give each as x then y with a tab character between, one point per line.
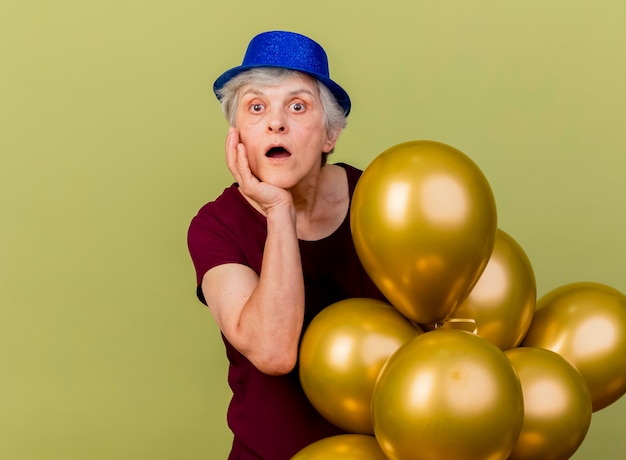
270	416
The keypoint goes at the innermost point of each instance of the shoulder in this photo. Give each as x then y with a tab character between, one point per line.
226	230
224	221
350	170
228	208
352	173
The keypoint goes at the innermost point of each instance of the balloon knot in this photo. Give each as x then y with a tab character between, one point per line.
464	324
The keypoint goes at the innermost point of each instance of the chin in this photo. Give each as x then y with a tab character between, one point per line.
280	182
279	178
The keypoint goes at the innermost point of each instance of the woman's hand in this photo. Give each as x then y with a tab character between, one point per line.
265	195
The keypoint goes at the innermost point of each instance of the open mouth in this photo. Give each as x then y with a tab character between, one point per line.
277	152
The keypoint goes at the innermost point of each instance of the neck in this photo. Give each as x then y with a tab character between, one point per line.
323	210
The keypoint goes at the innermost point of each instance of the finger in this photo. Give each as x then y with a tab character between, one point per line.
242	158
245	175
232	139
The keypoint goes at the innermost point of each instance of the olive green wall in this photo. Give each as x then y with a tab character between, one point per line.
110	140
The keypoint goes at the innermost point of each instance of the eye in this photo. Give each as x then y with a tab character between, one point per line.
256	108
298	107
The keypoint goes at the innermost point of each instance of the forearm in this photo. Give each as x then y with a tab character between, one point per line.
271	319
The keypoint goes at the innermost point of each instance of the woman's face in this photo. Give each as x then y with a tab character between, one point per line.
282	128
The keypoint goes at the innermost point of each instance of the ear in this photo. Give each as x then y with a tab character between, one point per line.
330	143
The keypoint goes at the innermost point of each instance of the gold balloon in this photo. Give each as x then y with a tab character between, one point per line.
344	447
341	354
423	220
557	405
585	323
447	394
502	302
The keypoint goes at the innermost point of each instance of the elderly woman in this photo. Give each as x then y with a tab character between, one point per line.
275	248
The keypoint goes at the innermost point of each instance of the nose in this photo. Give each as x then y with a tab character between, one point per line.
276	123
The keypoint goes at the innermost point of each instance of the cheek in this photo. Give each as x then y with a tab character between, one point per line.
254	155
248	137
253	161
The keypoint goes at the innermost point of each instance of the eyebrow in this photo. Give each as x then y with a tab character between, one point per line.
295	92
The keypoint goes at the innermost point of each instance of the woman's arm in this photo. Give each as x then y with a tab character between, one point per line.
261	316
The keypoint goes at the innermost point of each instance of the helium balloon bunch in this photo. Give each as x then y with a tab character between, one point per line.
463	361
